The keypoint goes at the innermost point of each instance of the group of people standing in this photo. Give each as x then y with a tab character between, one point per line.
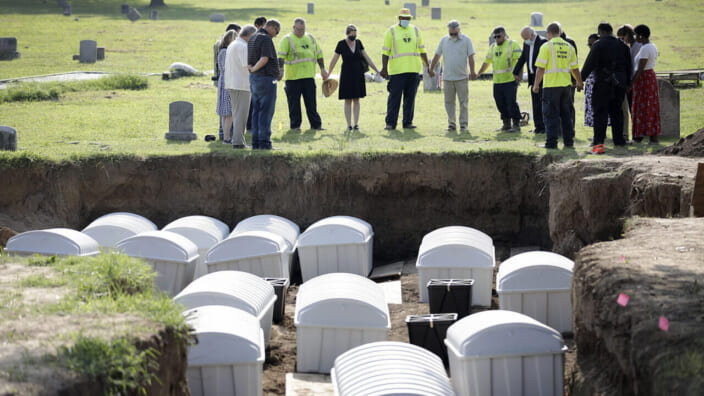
249	67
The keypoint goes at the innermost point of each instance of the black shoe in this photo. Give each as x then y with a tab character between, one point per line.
548	146
389	127
319	129
349	129
356	127
409	126
451	128
569	146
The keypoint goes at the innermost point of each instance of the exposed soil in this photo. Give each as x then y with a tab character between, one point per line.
690	146
622	350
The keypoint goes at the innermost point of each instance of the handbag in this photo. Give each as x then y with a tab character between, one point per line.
365	65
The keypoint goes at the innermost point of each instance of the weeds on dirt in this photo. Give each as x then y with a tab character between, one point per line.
34	92
123	368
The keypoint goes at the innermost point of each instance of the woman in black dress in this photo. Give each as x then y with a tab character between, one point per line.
352	84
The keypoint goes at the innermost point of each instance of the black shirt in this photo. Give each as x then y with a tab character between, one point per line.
608	56
259	45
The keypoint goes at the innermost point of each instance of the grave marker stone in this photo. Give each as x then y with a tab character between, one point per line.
67	10
8	138
154	15
62	3
431	83
698	194
412	7
133	15
101	53
89	51
311	8
386	2
536	19
425	3
125	8
669	109
8	48
217	17
181	121
542	33
435	13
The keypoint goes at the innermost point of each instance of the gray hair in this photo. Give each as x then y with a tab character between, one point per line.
247	31
453	24
350	28
299	20
528	29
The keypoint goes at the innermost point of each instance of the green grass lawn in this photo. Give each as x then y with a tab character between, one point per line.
122	122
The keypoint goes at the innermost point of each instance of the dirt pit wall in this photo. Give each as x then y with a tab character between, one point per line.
403	196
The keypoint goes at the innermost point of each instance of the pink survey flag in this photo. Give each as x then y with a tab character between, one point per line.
664	324
623	299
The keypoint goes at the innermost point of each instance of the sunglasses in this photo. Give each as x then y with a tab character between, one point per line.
498	36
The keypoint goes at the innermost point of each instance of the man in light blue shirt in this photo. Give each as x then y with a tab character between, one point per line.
458	51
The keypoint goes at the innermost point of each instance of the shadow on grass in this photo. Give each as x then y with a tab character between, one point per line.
296	136
112	9
404	135
460	137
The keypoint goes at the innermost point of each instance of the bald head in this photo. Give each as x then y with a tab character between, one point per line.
527	33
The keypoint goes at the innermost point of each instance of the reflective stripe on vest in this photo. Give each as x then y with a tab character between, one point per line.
295	54
393	39
508	53
554	68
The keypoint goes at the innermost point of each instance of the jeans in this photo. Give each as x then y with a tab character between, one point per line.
263	101
405	84
537	101
294	90
557	114
607	100
505	98
458	88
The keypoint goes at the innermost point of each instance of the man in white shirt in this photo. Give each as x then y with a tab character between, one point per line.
237	84
458	51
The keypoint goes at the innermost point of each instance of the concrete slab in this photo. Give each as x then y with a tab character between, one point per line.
392	292
300	384
388	270
409	267
523	249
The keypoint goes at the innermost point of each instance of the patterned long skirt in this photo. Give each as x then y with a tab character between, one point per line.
646	106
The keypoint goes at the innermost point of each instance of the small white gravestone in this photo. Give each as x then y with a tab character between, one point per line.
8	48
89	51
412	7
669	109
133	15
8	138
181	121
542	33
311	8
217	17
435	13
536	19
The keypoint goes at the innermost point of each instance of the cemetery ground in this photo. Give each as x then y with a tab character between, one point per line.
96	149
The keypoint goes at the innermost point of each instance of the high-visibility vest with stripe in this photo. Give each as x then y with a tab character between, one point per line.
403	46
300	55
503	58
558	58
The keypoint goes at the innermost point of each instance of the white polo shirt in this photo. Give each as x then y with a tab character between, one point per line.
236	73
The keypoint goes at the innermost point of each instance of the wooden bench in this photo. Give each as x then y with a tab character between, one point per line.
684	77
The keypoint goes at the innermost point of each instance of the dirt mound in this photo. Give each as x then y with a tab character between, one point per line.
5	235
590	199
690	146
627	350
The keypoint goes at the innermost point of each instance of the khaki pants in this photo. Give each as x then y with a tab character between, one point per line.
240	111
459	88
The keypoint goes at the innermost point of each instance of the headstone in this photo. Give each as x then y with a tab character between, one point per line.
698	194
669	109
386	2
8	48
125	8
62	3
431	83
67	10
153	15
181	121
217	17
542	33
89	51
425	3
435	13
8	138
101	53
311	8
536	18
133	14
412	7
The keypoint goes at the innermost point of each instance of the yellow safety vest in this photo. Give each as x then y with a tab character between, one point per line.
559	65
298	67
503	73
404	53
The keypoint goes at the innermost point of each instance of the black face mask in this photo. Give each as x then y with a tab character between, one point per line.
453	35
351	38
